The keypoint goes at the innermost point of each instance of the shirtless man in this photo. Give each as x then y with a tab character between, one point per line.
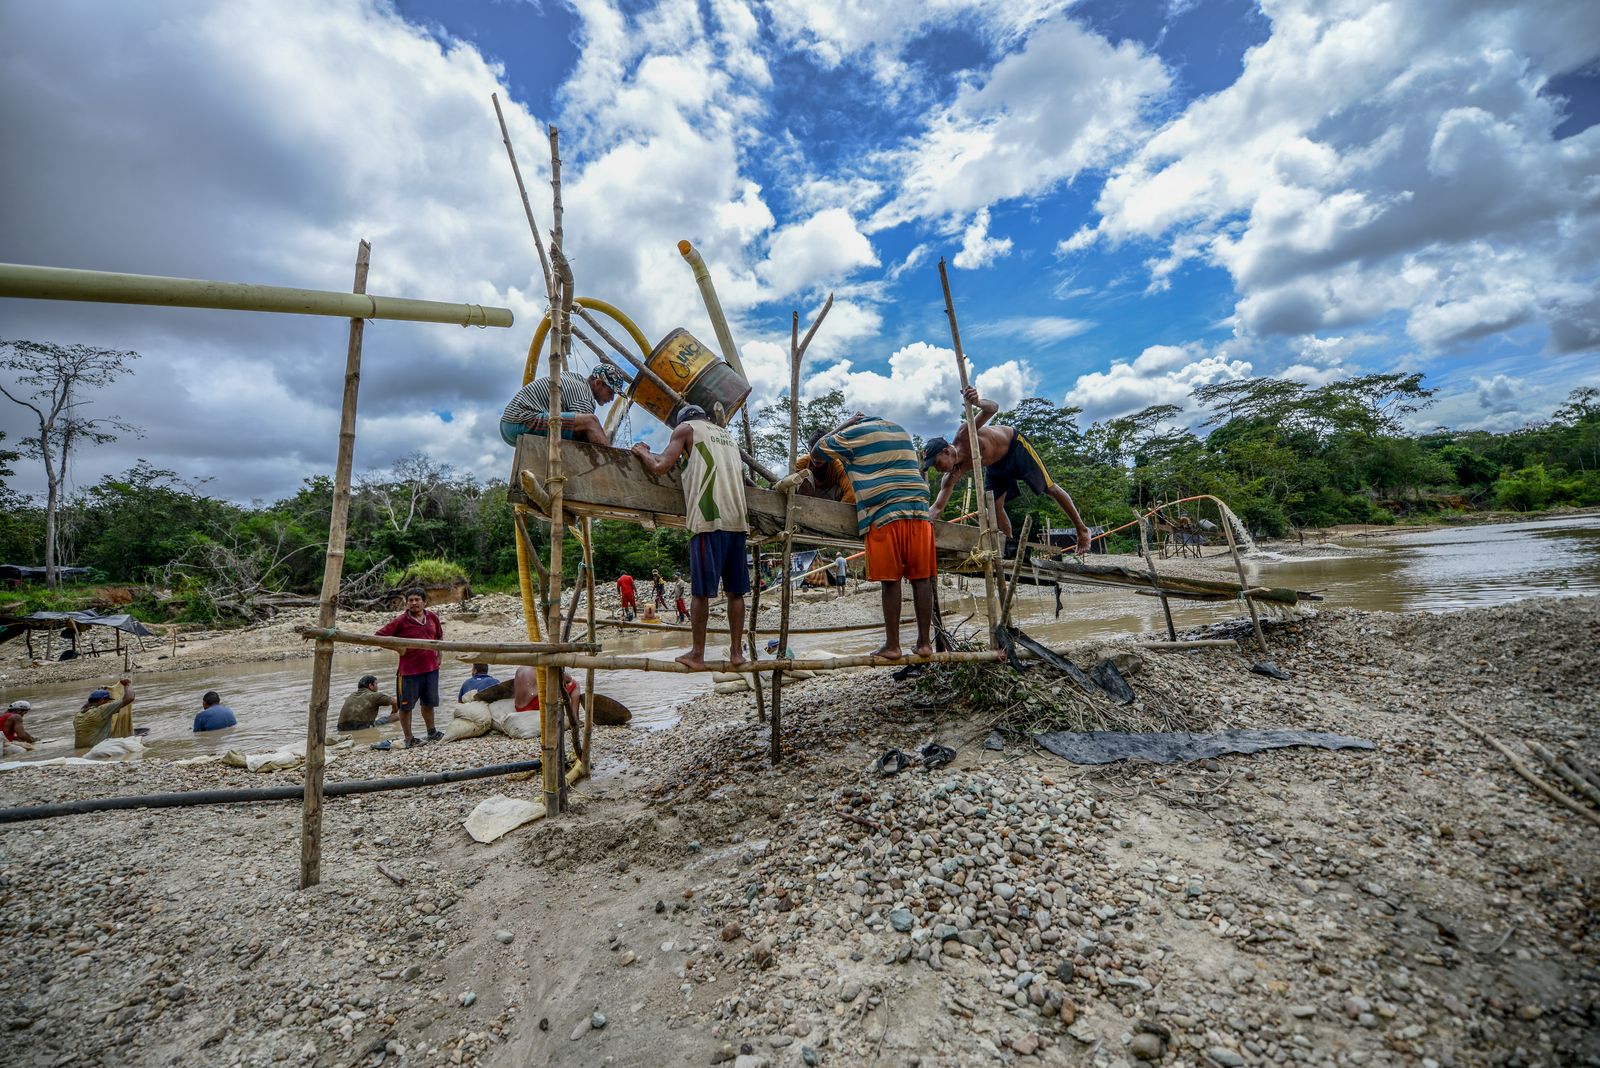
1008	459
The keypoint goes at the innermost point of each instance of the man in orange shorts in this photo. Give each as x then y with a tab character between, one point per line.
891	514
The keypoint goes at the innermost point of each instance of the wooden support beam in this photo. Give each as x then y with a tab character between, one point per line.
345	637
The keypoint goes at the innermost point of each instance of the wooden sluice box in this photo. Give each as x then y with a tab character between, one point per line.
610	483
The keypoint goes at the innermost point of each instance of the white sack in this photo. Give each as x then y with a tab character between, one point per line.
499	815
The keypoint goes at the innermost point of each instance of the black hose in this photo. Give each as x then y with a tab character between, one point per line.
189	798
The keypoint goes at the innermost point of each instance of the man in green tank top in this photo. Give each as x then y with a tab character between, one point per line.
713	496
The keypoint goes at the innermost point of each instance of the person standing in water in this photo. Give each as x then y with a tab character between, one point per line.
418	673
713	493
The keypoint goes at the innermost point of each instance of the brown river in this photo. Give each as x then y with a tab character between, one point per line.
1433	571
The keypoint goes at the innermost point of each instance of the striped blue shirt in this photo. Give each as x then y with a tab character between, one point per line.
882	464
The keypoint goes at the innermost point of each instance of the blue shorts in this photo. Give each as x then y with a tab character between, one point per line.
510	431
716	557
419	688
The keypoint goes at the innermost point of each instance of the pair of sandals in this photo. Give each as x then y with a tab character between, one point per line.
933	755
411	743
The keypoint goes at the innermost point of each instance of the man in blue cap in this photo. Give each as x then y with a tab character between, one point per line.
92	724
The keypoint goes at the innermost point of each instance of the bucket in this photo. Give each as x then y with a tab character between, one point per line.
695	371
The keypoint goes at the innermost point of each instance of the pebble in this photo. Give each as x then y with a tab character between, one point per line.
597	1020
504	937
1225	1057
901	920
467	999
1146	1047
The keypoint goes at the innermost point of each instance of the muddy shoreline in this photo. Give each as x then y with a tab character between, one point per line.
1416	904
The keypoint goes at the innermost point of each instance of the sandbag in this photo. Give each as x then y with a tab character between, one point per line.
499	815
728	676
117	749
290	756
472	718
505	718
730	687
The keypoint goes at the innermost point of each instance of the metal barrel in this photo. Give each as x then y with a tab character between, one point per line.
109	287
695	371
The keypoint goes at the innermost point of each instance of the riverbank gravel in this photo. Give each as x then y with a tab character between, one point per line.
1417	904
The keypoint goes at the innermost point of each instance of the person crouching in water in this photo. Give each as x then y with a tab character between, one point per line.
360	709
419	668
713	494
891	516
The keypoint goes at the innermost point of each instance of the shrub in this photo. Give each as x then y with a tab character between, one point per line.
427	571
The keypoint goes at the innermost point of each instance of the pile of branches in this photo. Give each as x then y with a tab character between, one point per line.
1039	699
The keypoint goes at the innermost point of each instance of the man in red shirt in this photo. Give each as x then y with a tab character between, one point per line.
418	680
625	591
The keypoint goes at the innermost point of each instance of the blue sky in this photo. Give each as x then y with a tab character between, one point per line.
1135	199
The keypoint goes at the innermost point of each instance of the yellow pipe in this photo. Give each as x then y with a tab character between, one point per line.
525	580
530	369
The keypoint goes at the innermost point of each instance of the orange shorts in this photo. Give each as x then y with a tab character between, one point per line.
901	549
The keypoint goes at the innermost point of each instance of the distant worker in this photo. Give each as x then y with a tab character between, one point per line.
713	493
1008	460
419	668
478	680
214	715
627	595
360	709
828	479
892	517
658	589
529	411
677	596
11	726
92	724
841	573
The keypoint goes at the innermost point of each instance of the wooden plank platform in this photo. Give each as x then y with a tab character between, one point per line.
610	483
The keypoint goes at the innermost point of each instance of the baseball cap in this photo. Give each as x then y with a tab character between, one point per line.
100	695
688	411
19	706
932	449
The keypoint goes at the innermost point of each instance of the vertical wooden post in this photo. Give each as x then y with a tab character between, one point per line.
1238	564
986	538
1016	570
755	615
588	676
552	700
328	607
788	536
1149	561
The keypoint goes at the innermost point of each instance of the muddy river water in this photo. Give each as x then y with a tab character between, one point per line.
1426	571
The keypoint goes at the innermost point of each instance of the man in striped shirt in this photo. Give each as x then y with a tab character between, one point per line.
891	515
529	410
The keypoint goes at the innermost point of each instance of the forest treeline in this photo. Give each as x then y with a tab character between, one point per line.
1285	456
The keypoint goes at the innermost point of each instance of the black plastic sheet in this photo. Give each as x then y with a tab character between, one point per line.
1175	747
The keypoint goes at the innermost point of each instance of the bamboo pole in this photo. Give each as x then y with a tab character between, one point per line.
1572	761
1244	585
624	624
522	191
328	606
344	637
551	693
1576	781
1166	605
1523	770
110	287
986	539
1016	569
622	662
588	676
